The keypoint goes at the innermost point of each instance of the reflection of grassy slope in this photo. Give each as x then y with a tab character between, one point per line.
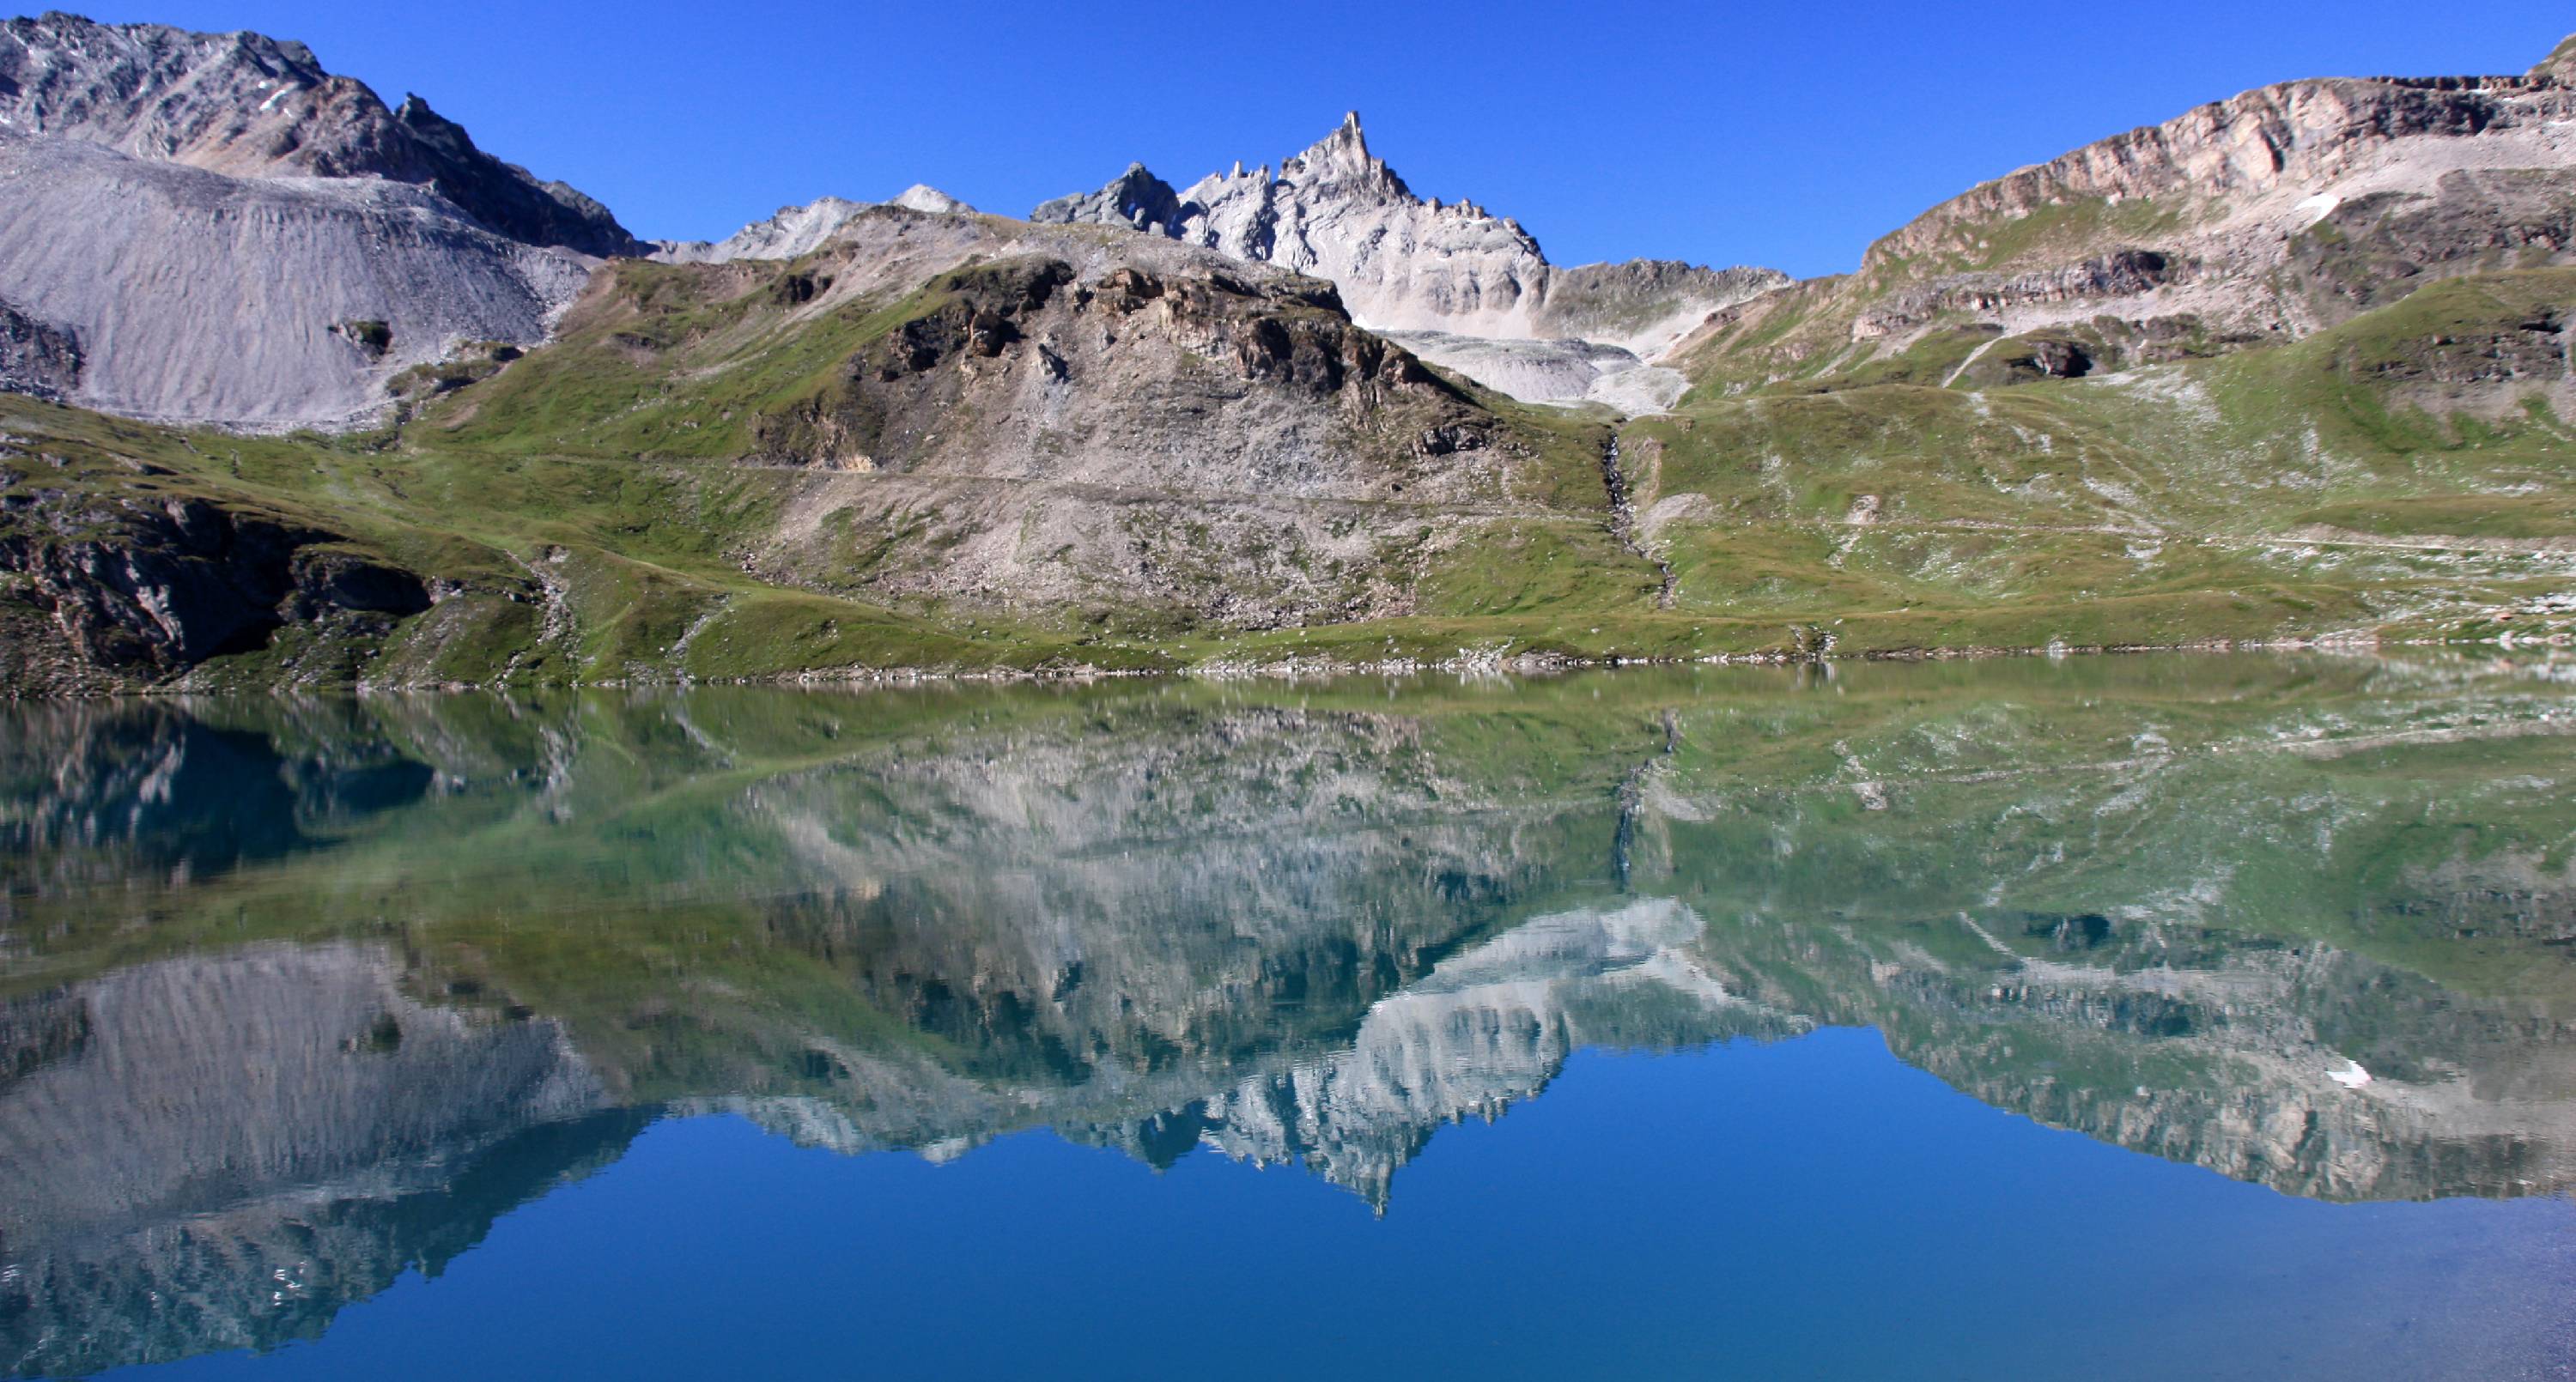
910	903
650	891
2144	775
2326	804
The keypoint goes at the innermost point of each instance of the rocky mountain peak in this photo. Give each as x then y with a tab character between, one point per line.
923	197
434	129
795	231
1452	273
1342	160
1135	199
249	106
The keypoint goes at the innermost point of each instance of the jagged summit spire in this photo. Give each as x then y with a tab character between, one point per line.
1343	156
1347	138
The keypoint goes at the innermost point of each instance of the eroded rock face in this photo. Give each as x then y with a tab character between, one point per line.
1406	264
2305	134
2121	273
193	220
1154	426
2262	218
246	105
2378	246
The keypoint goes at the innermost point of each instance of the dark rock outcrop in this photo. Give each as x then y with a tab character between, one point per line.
2377	248
2121	273
37	359
147	591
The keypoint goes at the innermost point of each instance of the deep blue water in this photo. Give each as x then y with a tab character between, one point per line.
1801	1209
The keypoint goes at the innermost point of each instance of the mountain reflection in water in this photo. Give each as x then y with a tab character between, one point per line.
298	995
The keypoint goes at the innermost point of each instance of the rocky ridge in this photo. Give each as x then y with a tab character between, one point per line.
796	231
2264	217
1474	290
870	437
1295	491
150	590
264	243
248	106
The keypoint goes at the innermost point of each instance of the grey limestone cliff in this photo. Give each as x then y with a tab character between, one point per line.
246	105
259	242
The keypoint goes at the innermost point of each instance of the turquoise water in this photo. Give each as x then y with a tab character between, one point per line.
2104	1018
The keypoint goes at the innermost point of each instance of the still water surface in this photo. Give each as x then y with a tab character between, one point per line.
2111	1018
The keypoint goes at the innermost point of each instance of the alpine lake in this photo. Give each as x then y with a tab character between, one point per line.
2102	1017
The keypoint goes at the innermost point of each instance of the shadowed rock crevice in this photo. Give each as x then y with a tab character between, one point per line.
154	590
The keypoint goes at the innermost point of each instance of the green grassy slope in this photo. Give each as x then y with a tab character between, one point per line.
2407	471
583	517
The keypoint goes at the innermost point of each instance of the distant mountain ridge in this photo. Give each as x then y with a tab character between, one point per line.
2261	218
1424	270
796	231
246	105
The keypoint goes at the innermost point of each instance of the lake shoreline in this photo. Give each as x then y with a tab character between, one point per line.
1297	668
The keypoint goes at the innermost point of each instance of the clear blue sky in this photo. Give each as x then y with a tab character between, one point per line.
1787	134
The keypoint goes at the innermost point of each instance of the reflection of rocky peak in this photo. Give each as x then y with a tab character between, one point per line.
1484	1030
236	1133
1068	908
1305	1080
1305	925
2318	1074
2306	1068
